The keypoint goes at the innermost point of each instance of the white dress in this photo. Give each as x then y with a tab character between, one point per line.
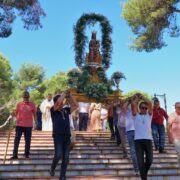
46	115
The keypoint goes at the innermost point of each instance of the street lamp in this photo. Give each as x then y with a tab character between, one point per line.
164	98
117	81
116	77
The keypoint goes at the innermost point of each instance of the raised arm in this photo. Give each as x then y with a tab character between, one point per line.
73	103
134	107
59	103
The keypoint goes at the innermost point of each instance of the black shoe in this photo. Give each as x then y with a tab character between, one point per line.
136	172
51	172
118	143
13	157
162	151
112	138
62	178
125	155
26	156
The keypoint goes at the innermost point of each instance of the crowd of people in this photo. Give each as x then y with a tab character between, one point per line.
137	119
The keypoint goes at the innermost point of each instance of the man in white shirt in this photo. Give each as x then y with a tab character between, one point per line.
143	135
83	116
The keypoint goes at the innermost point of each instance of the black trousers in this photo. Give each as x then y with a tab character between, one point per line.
144	146
83	121
118	138
114	133
111	126
61	148
27	136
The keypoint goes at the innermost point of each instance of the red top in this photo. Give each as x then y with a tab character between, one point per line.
24	114
158	116
110	112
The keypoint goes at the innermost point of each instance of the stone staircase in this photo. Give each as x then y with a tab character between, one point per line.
94	157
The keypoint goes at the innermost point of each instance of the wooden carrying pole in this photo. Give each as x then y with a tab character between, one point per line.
7	142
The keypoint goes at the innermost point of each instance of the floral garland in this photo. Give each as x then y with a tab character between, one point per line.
81	81
80	39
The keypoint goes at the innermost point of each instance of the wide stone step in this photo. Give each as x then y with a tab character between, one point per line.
77	143
127	177
83	159
46	151
151	177
94	156
86	136
91	149
88	172
37	161
80	166
88	154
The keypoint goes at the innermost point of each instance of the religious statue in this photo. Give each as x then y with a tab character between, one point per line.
94	56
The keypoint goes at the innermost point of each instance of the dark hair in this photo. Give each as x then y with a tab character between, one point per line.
25	94
56	98
156	100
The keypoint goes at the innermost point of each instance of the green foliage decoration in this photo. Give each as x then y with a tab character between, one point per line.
80	38
132	93
83	84
97	91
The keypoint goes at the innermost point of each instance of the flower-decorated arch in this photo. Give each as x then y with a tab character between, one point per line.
80	38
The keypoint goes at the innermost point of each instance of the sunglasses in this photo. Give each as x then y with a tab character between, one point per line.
177	107
144	108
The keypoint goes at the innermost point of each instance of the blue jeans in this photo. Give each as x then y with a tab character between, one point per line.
27	136
130	137
158	132
61	145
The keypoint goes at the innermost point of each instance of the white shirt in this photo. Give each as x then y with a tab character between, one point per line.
142	123
83	107
129	120
104	113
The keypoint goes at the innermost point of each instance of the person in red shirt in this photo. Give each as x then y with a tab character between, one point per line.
110	119
25	113
158	129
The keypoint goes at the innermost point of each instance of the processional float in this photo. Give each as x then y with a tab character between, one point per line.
88	82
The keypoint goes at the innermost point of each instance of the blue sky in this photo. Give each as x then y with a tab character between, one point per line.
52	47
